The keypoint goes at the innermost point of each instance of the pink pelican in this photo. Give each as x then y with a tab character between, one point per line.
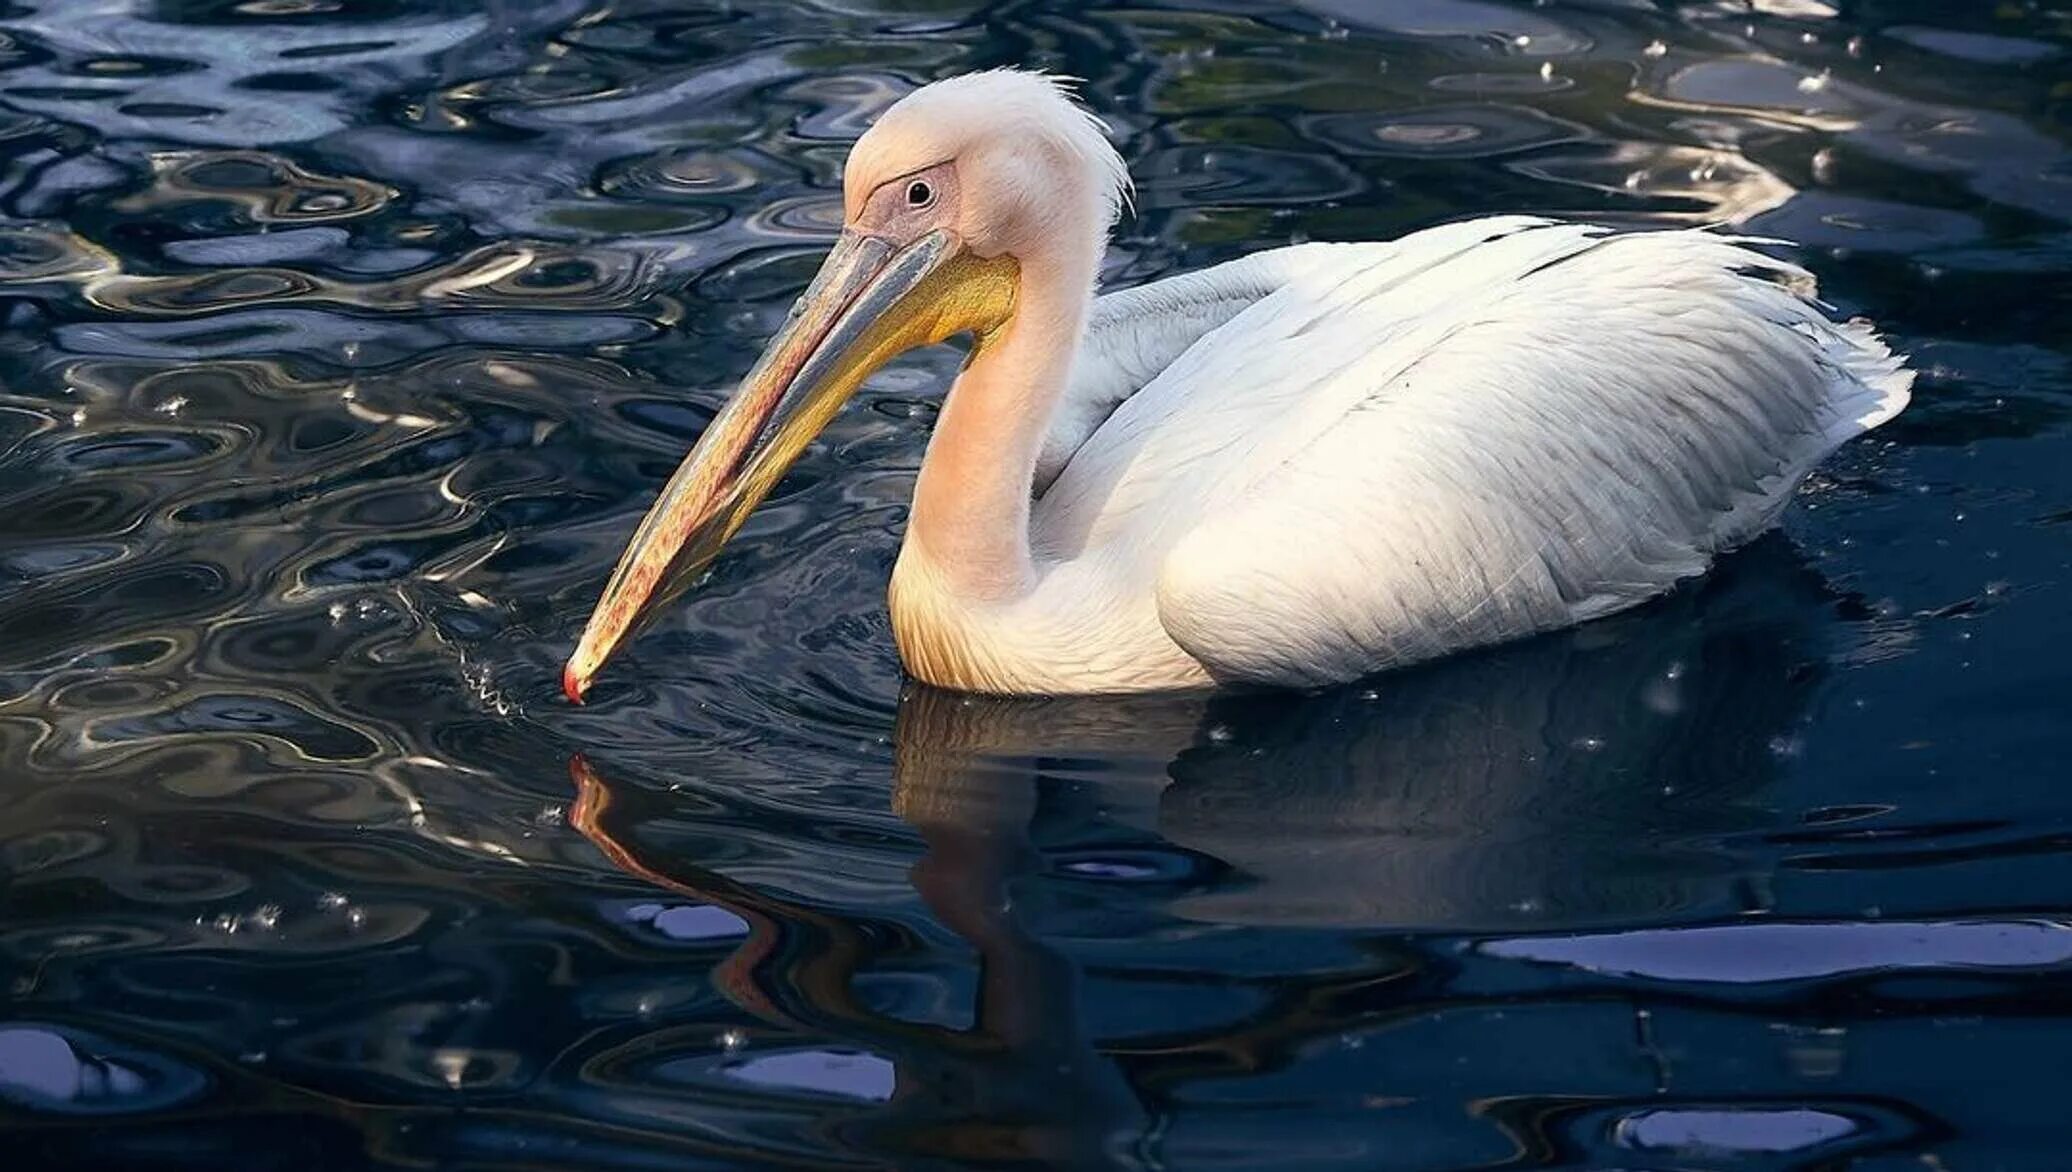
1296	468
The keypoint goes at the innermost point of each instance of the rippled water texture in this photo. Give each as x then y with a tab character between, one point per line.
346	340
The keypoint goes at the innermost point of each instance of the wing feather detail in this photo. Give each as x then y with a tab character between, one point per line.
1471	435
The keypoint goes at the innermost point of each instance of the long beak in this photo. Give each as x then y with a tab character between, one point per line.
868	303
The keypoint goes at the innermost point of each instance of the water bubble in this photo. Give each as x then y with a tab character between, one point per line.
1111	868
173	405
732	1040
1656	49
1220	734
551	815
263	918
451	1066
1813	84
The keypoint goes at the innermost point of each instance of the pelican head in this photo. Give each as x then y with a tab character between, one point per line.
950	200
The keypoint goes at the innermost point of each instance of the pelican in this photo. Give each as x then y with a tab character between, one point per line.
1292	469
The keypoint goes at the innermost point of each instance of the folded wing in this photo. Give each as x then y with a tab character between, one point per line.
1468	436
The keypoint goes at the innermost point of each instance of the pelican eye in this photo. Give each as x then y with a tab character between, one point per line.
919	194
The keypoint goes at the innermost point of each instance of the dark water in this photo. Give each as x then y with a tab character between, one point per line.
347	339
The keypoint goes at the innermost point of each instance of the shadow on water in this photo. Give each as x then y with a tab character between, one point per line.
1572	781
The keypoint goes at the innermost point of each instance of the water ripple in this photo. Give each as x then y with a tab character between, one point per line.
1447	132
346	342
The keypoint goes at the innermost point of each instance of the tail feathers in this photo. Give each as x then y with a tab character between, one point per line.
1870	383
1875	383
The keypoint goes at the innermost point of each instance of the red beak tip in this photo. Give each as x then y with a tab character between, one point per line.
571	687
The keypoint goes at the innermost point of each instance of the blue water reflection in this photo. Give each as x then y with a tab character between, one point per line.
347	340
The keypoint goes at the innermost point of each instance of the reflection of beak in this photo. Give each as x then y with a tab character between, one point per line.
868	304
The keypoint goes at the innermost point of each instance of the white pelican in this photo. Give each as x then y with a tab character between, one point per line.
1292	469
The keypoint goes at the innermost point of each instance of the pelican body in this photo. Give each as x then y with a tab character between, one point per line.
1293	469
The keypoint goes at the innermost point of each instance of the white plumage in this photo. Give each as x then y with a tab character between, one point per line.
1332	459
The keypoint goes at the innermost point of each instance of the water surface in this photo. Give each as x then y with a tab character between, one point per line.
346	341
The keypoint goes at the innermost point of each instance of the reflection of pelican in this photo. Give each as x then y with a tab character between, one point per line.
1292	469
1518	787
1461	800
1023	1083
